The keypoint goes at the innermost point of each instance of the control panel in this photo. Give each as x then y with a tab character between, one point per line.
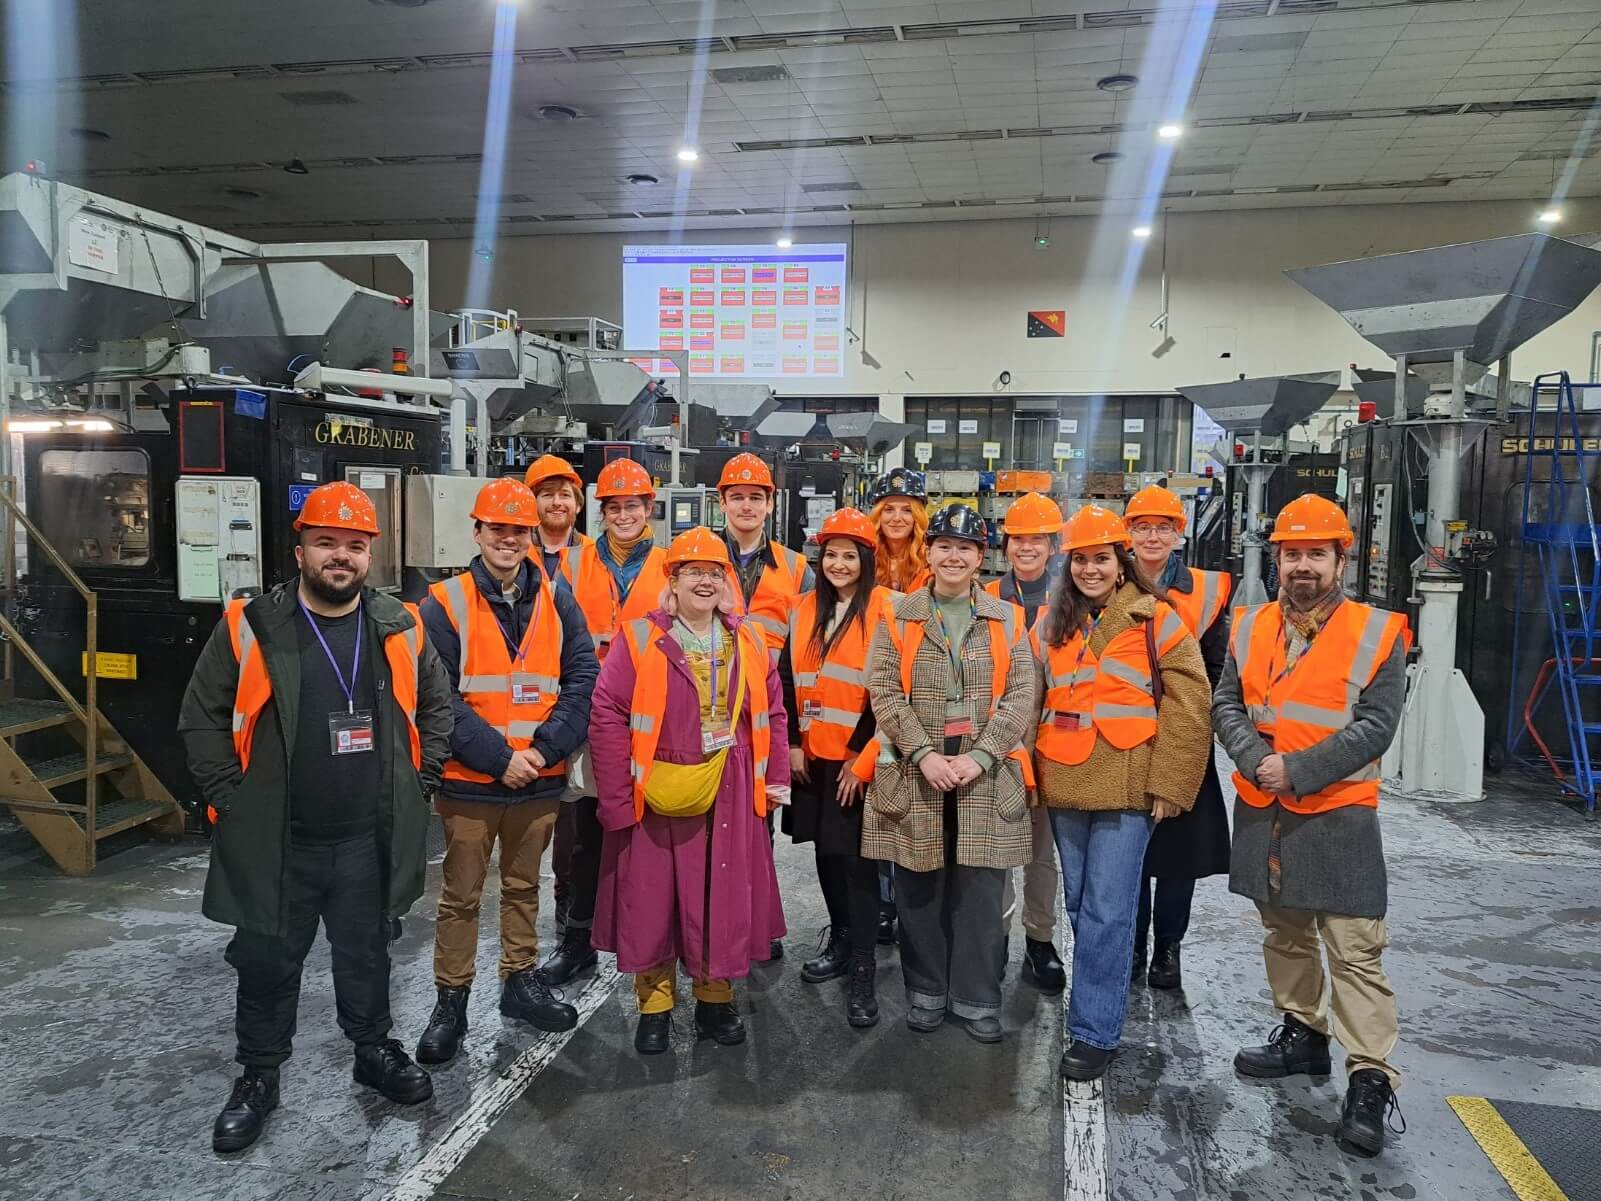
1379	515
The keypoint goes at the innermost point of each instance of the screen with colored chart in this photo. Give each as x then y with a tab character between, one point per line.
737	312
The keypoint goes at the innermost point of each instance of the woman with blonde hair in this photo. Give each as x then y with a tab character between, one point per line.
690	747
899	511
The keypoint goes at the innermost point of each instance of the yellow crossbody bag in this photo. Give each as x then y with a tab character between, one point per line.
690	789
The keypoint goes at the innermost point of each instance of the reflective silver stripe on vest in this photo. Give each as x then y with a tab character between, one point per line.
483	684
642	723
1365	663
1365	775
1126	711
521	729
1240	639
806	679
1172	626
1085	720
1315	715
456	607
1211	599
573	555
1263	715
1128	674
635	770
770	624
759	719
639	634
834	717
841	674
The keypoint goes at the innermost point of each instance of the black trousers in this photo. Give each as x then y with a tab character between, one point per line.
342	884
575	859
850	890
1171	910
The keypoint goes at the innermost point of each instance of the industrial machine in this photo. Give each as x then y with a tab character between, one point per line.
1447	315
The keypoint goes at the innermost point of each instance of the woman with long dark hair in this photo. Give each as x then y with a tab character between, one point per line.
1124	734
830	721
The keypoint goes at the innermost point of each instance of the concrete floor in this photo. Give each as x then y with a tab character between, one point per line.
115	1033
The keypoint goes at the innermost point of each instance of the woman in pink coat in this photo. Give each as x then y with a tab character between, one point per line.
689	742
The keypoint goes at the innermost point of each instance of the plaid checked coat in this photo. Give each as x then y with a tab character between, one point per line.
903	819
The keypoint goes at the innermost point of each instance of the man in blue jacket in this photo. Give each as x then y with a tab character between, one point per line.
522	666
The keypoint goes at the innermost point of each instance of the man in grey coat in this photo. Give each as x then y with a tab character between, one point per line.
1309	700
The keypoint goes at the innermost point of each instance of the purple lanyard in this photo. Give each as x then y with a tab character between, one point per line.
512	648
355	663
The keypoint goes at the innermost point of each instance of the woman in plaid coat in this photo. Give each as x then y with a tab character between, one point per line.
954	691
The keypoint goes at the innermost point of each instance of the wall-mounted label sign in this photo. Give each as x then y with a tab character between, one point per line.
1133	425
992	450
1131	450
936	425
1067	425
923	451
1062	450
966	426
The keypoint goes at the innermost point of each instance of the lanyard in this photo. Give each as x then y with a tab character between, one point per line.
711	653
519	648
1083	649
954	651
355	663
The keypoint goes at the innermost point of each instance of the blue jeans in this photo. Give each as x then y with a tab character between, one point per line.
1103	863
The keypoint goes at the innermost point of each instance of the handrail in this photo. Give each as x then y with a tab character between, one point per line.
89	713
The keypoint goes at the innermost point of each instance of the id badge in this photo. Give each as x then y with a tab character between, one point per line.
957	720
715	738
350	733
524	691
812	709
1066	721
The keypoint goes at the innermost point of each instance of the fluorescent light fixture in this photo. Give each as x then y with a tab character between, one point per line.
1549	217
688	154
26	426
785	241
1141	231
91	425
1170	132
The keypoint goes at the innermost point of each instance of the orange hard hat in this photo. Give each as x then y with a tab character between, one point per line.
697	545
1094	526
506	501
748	470
1156	501
551	467
1033	513
338	506
849	523
1312	518
624	477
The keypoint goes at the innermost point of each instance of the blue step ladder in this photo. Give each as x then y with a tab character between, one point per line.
1559	521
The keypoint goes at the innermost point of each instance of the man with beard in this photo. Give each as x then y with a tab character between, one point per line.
557	545
316	723
1309	700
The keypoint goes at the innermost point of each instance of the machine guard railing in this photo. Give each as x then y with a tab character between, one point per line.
85	711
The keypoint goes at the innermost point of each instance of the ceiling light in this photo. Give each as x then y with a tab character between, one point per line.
24	426
1107	157
1549	217
1170	133
91	425
1117	83
83	133
688	154
295	167
558	113
1141	231
642	179
785	241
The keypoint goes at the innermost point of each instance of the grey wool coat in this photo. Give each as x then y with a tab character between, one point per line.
904	819
1331	862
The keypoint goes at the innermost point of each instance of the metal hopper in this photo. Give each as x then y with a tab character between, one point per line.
1479	300
1271	404
869	433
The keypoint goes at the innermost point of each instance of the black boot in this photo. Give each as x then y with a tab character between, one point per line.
1084	1062
447	1026
386	1067
775	949
886	927
1043	966
719	1020
572	956
1166	971
835	959
1293	1049
654	1032
861	997
254	1096
525	997
1369	1100
1137	975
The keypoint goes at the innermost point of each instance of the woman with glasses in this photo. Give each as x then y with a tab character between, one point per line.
690	748
954	692
1195	844
1125	730
830	722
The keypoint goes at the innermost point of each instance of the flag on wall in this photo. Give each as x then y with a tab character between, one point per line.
1047	323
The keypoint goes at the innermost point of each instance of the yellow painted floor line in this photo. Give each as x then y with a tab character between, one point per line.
1517	1165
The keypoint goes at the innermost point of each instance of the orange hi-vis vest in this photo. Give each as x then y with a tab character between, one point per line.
605	610
1112	696
907	637
650	704
1316	699
254	689
1204	603
569	563
832	691
773	600
490	680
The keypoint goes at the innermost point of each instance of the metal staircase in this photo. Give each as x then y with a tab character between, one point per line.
1559	521
71	781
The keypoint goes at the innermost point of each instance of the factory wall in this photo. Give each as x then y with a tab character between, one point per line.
941	308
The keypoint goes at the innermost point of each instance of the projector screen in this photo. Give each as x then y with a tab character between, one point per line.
738	312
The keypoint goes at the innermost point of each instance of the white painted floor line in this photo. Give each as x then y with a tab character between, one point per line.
428	1173
1084	1141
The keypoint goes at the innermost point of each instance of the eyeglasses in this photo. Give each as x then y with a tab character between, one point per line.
1149	529
698	575
624	506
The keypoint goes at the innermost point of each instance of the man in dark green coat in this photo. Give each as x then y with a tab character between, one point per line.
316	724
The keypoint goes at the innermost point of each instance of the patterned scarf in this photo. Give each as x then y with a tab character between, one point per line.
1301	626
